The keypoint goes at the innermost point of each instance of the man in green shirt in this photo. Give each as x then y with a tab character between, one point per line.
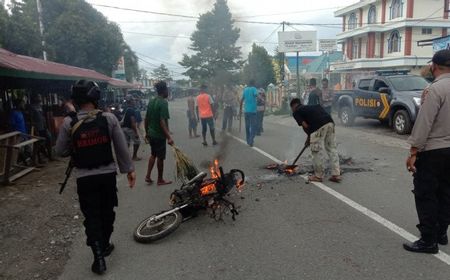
157	132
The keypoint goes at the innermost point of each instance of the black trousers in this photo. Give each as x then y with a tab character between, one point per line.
432	193
98	197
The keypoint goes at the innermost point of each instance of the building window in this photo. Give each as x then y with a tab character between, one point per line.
394	42
352	22
427	31
372	17
396	9
355	50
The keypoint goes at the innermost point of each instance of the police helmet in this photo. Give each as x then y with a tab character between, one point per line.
85	91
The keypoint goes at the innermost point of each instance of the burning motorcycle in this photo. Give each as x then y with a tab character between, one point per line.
196	194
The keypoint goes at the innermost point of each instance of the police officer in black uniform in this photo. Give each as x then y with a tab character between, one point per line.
88	136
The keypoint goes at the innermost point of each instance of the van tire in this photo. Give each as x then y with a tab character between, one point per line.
346	116
402	122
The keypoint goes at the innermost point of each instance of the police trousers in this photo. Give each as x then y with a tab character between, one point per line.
432	193
325	137
98	197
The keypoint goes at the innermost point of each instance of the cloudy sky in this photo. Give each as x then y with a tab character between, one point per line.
163	39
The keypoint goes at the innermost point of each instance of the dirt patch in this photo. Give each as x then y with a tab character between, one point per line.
347	164
37	225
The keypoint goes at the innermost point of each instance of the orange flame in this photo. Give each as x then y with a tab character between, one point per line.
240	185
208	189
290	170
214	169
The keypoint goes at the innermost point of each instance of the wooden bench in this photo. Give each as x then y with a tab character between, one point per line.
10	145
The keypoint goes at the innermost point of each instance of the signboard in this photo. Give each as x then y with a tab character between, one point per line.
441	44
327	45
119	73
297	41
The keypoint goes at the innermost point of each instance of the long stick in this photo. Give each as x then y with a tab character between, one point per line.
240	121
300	154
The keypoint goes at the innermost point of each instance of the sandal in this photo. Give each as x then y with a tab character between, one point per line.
314	178
335	179
163	183
148	180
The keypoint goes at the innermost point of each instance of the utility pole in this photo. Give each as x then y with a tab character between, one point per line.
282	58
298	75
41	28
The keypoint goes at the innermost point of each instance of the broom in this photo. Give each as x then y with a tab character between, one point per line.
185	167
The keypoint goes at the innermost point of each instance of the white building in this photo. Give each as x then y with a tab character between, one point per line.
383	34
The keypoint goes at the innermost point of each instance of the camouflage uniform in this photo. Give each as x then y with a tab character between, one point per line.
325	137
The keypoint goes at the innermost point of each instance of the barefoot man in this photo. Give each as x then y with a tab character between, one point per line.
157	132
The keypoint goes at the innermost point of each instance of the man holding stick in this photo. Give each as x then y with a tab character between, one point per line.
248	102
319	127
157	132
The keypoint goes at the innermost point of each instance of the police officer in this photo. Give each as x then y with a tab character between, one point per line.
88	136
429	158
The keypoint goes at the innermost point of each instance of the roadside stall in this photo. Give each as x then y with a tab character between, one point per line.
23	78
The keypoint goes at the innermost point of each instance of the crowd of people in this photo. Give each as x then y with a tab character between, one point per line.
30	120
318	96
88	134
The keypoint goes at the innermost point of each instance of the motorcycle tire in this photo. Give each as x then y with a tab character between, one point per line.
147	233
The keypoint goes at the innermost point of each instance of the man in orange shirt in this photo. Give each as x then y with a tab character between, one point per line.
206	114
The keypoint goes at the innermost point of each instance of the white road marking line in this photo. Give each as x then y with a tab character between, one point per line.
369	213
257	149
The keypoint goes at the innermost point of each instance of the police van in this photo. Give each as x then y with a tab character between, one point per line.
393	97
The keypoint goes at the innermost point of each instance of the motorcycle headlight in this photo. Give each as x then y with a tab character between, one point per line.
417	100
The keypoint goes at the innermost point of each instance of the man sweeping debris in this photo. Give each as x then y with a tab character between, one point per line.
319	127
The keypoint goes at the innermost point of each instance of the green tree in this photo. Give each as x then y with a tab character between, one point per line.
131	64
215	56
259	67
22	35
161	73
3	25
75	34
278	65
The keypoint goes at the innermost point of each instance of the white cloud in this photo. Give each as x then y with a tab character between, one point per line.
170	50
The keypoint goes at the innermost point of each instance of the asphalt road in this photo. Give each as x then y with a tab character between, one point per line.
286	229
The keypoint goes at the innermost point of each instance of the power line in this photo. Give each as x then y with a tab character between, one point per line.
273	32
245	21
186	37
430	16
144	11
156	59
157	21
155	65
290	13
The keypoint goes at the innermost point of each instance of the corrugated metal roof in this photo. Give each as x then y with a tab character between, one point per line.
29	64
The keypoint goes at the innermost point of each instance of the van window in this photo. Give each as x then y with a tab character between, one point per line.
379	84
364	84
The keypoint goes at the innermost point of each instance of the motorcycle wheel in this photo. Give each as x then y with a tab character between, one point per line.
149	231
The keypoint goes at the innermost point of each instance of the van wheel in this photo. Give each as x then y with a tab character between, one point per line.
402	122
346	116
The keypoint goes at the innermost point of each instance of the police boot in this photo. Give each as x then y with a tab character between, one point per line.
421	246
442	235
108	247
443	239
99	264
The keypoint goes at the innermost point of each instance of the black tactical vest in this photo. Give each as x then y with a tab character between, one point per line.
92	143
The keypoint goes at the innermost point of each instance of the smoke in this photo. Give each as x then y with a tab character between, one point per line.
221	153
193	7
295	146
